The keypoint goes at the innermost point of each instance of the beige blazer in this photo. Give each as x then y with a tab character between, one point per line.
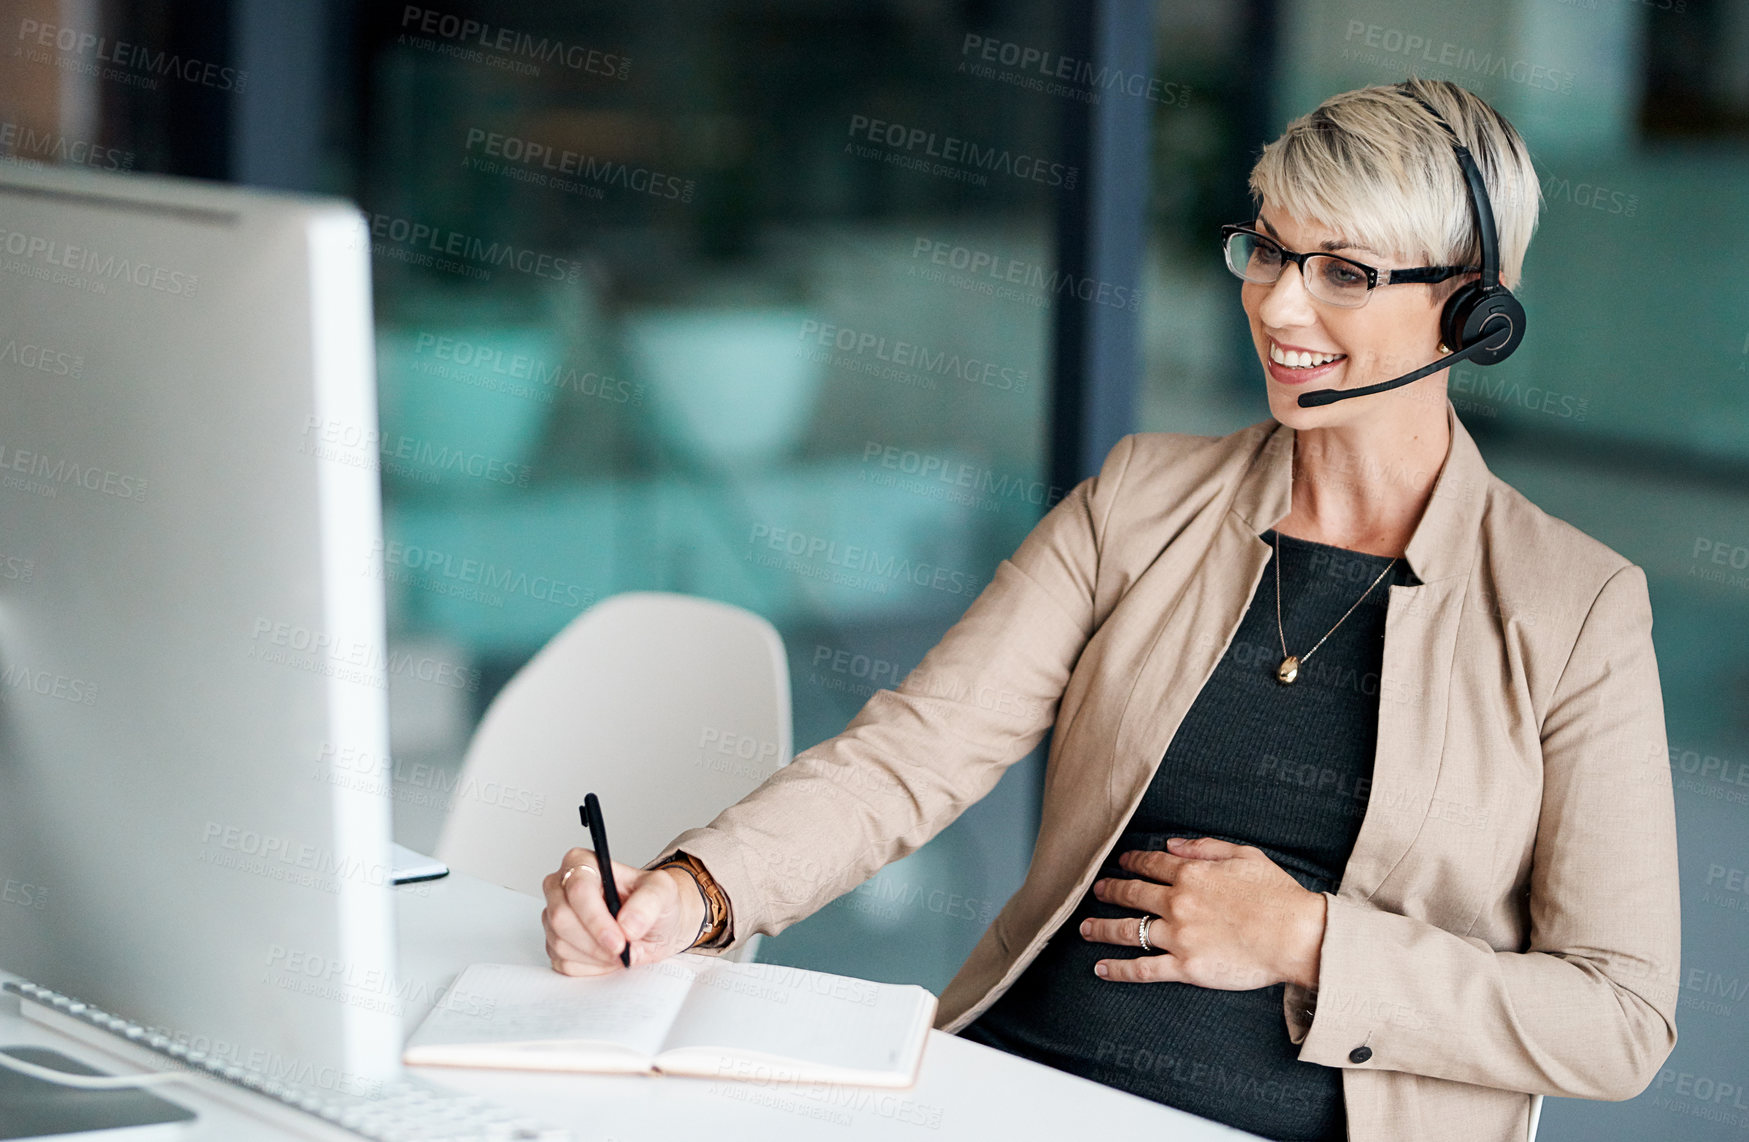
1508	921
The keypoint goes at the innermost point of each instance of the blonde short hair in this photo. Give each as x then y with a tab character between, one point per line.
1373	165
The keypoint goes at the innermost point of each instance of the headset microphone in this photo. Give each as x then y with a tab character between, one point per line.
1319	397
1481	321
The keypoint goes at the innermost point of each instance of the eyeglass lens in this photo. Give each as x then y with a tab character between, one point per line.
1327	278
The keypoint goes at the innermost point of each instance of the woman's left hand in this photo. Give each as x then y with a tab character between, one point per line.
1229	918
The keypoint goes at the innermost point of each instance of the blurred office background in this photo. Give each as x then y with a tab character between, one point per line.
815	307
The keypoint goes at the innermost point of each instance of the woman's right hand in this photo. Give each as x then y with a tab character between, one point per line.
660	913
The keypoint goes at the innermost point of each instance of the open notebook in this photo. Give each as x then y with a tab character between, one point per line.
688	1015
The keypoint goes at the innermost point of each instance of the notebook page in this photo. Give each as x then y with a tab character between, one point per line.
810	1025
502	1009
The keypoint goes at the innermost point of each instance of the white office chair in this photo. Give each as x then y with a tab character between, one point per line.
1536	1113
670	708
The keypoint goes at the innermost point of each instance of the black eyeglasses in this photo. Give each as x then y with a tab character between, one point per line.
1330	278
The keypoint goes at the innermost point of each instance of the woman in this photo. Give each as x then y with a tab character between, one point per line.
1357	819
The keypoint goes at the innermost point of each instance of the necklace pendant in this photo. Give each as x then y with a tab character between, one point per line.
1288	670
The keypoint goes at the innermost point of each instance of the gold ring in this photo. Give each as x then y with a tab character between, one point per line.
565	877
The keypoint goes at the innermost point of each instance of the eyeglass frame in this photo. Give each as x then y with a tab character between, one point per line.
1407	275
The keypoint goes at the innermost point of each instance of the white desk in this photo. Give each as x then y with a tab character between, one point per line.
964	1091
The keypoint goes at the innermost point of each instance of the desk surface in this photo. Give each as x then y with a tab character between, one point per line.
965	1090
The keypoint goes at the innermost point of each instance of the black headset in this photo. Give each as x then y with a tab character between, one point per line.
1475	312
1481	321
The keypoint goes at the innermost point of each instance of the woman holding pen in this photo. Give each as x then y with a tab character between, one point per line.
1357	817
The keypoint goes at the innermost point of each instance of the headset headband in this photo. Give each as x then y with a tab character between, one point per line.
1481	208
1481	321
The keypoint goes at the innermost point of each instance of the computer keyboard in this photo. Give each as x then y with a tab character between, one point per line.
405	1110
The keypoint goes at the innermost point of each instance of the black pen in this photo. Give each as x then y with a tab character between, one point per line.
590	811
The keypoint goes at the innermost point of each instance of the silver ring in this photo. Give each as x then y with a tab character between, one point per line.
565	877
1142	930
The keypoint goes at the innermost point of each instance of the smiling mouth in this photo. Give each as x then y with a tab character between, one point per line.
1295	359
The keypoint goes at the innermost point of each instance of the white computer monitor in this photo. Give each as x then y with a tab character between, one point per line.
189	622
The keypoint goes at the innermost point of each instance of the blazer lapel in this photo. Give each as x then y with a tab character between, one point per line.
1421	632
1421	625
1199	624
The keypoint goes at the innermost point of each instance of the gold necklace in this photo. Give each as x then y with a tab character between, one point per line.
1290	663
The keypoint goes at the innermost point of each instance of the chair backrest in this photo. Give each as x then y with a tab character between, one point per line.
670	708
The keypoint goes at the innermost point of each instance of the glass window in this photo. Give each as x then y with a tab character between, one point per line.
745	301
740	301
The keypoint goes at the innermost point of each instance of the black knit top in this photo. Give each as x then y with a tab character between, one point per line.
1283	767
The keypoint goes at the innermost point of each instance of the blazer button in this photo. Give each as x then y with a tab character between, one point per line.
1360	1054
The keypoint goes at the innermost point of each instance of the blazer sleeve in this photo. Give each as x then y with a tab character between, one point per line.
916	756
1588	1011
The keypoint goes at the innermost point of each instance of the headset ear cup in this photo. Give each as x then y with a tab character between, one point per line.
1452	317
1475	313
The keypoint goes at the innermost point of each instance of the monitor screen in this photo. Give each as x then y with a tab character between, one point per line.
190	625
